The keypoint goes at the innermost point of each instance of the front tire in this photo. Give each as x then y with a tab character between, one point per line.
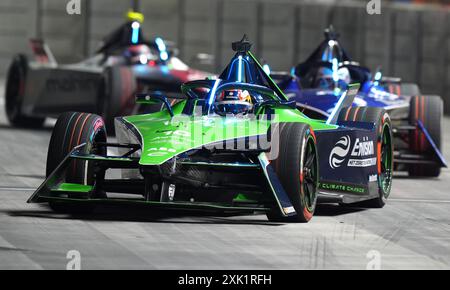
14	94
297	167
71	130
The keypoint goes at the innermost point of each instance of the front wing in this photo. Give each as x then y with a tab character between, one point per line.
55	188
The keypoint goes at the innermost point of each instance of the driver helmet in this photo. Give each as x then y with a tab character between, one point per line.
140	54
325	79
344	75
234	102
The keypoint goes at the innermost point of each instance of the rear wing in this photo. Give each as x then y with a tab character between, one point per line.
346	100
42	52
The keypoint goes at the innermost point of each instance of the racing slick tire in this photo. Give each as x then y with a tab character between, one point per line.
72	129
297	167
409	89
403	89
429	110
15	90
384	148
116	94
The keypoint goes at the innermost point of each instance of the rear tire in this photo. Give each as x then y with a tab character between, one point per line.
429	110
116	94
297	167
14	94
409	89
385	148
71	130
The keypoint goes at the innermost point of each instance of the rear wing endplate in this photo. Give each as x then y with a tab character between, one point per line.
42	52
436	150
346	100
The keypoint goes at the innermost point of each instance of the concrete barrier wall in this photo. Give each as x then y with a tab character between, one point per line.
18	19
407	41
65	35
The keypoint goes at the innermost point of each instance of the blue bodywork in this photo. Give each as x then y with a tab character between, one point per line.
323	100
317	84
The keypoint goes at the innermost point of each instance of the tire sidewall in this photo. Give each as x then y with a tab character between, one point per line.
18	66
308	212
69	132
117	88
289	165
385	126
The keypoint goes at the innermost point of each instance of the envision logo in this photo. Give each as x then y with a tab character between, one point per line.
339	152
361	148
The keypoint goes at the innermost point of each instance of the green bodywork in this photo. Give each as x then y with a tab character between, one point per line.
178	130
164	137
73	187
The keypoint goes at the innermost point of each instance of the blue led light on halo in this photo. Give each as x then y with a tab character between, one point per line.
266	68
135	32
335	70
239	77
213	92
162	48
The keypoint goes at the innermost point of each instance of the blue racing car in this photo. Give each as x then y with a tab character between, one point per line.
317	84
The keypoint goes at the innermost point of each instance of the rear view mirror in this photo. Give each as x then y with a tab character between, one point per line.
154	98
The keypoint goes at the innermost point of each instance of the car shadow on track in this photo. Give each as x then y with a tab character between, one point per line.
45	128
33	176
331	210
144	214
155	215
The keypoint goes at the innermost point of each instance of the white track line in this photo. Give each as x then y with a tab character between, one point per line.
420	200
5	188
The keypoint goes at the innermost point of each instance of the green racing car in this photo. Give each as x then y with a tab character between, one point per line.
235	143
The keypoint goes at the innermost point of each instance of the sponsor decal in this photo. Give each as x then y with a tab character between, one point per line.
98	123
362	162
373	178
341	187
157	152
288	210
339	152
360	148
363	148
71	83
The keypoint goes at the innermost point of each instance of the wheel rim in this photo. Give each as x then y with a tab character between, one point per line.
310	176
386	162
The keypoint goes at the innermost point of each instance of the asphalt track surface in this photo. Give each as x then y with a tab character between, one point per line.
411	232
